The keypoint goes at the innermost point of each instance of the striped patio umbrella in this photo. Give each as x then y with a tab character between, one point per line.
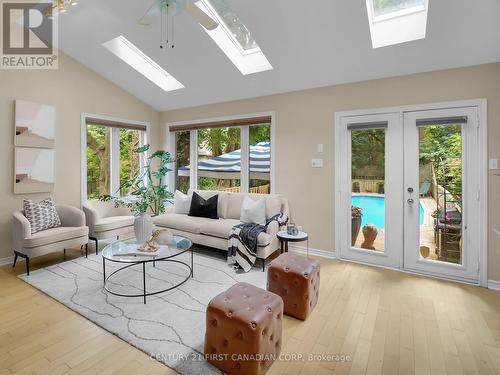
228	166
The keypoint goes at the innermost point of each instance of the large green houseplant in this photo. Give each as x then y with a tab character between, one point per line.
148	192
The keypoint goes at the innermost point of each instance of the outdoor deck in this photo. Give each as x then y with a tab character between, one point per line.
426	230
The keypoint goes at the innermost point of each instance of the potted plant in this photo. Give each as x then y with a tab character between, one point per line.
149	195
355	187
356	215
380	187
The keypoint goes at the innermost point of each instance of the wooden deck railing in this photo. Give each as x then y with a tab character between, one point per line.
264	189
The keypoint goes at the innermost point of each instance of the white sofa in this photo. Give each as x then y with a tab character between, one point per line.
215	232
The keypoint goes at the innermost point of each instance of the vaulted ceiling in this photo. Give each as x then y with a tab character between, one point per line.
309	43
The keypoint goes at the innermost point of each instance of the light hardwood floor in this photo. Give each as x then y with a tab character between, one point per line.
386	322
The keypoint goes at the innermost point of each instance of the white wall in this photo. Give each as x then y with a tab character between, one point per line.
72	89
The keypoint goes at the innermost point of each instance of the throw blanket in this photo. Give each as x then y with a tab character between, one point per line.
242	242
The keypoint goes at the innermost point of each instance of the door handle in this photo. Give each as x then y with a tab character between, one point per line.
410	201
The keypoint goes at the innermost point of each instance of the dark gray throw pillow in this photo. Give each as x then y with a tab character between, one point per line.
201	207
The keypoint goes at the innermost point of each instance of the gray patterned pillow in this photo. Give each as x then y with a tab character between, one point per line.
41	215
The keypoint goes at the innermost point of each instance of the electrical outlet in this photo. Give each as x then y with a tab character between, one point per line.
493	164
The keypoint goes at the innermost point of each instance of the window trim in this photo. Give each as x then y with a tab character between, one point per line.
244	120
115	124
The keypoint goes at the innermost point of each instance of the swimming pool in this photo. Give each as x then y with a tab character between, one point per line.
374	210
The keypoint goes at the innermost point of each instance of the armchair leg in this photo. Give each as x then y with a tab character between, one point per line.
263	265
18	254
96	244
86	250
64	254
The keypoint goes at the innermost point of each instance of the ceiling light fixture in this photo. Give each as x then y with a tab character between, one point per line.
60	6
133	56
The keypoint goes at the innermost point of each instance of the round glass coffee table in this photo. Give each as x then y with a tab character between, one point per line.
123	252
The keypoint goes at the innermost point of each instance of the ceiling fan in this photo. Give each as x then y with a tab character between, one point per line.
176	7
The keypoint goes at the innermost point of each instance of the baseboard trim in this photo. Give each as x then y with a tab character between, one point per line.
7	260
312	251
494	284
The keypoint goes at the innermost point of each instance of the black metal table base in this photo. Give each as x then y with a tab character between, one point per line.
284	244
145	293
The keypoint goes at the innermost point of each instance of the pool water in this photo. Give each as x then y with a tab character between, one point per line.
374	210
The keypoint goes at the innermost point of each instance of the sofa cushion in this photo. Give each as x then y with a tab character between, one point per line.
234	205
185	223
221	229
113	222
273	204
54	235
222	201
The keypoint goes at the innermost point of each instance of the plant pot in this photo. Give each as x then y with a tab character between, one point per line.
143	228
380	189
355	227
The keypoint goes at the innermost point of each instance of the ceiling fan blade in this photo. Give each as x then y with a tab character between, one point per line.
200	16
151	15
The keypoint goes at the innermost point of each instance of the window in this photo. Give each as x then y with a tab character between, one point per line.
130	163
98	160
260	158
110	156
234	27
182	159
233	156
368	196
396	7
397	21
219	159
126	51
234	38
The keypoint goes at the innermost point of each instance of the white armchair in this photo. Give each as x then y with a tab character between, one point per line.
107	221
72	233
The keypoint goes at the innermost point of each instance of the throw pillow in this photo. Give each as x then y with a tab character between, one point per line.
41	215
204	207
253	211
182	202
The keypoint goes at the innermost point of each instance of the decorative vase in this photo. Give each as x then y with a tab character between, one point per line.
143	228
370	232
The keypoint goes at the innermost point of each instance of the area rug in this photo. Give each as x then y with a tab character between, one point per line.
171	326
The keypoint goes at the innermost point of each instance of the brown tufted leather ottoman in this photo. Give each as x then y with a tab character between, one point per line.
244	327
296	279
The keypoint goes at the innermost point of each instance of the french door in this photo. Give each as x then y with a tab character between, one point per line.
407	190
441	193
371	194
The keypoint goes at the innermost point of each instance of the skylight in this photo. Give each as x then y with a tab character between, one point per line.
133	56
397	21
395	7
234	38
234	26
